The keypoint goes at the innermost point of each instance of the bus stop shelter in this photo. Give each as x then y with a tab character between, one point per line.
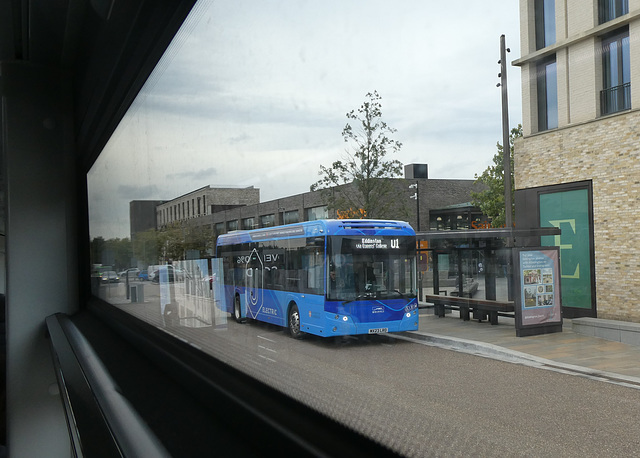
473	270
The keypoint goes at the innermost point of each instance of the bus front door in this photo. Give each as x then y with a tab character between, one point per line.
254	286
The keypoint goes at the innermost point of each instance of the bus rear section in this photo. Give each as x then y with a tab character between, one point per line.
327	278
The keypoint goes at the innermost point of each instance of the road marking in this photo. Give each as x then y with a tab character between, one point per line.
268	349
265	338
268	359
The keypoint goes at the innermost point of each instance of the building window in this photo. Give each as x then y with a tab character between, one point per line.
291	217
232	225
547	90
268	220
248	223
219	228
545	18
616	76
316	213
611	9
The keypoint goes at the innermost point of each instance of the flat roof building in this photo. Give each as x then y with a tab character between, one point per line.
204	201
414	197
217	210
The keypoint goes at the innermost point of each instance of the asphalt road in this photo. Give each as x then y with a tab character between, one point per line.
427	401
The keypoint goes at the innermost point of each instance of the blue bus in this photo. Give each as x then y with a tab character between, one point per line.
324	277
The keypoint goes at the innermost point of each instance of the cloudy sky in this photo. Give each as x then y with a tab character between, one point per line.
255	92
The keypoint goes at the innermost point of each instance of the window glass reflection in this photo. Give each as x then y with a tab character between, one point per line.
243	109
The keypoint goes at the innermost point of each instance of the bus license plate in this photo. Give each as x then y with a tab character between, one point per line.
378	330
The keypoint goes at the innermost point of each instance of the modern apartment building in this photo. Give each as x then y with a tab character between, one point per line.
578	165
204	201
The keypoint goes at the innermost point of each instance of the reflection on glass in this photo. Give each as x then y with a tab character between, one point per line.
243	109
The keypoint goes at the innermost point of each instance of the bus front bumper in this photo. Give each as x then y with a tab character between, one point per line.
340	325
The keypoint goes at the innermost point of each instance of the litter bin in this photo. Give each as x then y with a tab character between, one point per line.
136	293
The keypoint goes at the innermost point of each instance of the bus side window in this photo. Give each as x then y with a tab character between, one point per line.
228	267
293	263
312	271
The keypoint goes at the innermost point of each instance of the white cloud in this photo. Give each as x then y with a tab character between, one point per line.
255	93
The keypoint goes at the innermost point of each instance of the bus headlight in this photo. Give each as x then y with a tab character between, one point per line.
411	307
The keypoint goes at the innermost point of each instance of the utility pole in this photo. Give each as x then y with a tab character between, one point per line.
506	146
416	196
506	151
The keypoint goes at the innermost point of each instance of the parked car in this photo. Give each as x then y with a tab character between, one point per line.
155	277
151	272
132	273
110	276
143	275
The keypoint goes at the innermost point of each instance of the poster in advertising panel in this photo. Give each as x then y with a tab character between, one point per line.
539	304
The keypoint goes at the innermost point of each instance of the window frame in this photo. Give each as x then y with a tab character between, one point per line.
545	23
543	94
127	49
608	10
312	213
615	96
291	216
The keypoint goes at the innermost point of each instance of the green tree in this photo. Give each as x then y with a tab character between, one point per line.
491	200
145	247
358	185
177	238
199	238
122	252
97	247
171	240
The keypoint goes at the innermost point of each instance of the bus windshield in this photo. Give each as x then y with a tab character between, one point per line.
371	267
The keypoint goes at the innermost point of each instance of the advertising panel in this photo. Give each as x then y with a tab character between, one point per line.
538	299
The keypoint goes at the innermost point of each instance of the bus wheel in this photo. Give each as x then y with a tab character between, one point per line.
237	310
294	322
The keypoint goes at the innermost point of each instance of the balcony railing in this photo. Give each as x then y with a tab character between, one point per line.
614	99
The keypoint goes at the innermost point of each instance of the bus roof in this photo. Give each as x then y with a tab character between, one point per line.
317	228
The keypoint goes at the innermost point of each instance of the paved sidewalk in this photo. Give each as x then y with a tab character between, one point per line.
564	351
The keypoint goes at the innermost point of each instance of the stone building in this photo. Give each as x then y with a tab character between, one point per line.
578	165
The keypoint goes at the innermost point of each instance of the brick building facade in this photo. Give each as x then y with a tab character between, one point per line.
581	145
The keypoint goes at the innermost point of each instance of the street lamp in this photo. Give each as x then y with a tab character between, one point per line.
506	146
416	196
